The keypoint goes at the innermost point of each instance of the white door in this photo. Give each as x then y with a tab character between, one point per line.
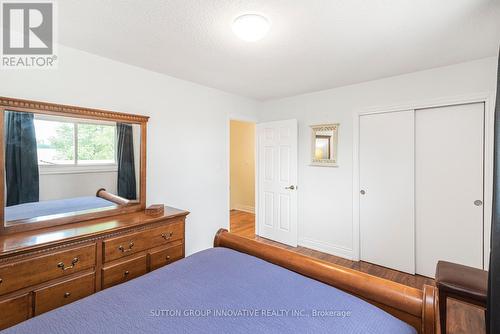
277	181
386	170
449	186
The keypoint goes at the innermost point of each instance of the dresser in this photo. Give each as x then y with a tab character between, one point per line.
41	270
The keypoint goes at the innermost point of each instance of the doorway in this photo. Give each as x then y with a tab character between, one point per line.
242	177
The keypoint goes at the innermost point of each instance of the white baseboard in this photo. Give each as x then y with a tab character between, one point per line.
324	247
244	208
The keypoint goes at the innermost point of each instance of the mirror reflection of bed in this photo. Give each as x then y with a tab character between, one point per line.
57	166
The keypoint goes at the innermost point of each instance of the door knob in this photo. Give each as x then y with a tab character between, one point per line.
478	202
362	192
292	187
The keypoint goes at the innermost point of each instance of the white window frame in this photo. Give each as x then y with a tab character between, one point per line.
75	167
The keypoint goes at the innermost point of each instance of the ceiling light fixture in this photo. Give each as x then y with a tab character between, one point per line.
251	27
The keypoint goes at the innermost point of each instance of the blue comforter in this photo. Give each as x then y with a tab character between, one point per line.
54	207
218	291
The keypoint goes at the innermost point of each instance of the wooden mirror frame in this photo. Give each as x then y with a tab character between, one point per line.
11	104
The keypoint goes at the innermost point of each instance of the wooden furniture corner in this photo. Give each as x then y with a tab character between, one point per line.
462	283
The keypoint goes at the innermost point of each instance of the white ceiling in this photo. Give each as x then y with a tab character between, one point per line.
312	45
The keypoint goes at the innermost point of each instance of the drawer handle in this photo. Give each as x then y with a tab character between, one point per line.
123	250
168	258
167	236
126	273
67	294
1	281
63	266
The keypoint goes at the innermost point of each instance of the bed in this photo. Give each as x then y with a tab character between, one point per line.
54	207
243	286
102	200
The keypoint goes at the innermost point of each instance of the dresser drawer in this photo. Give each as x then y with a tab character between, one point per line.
123	271
63	293
122	246
165	256
14	310
164	234
21	274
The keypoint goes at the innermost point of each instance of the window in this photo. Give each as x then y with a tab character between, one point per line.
62	142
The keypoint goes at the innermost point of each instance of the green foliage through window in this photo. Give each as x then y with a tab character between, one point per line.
62	142
95	143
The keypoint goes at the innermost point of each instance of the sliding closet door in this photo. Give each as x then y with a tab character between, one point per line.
387	190
449	186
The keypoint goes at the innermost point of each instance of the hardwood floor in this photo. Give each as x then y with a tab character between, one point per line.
462	318
242	223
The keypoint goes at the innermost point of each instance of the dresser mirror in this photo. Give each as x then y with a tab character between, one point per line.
66	164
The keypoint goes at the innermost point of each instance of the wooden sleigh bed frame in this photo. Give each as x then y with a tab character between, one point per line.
118	200
413	306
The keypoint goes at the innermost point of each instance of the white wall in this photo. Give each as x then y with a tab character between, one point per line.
325	210
68	185
187	133
188	138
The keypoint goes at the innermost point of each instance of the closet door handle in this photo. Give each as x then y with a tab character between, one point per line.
478	202
362	192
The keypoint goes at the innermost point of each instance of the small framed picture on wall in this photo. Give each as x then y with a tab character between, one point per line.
324	145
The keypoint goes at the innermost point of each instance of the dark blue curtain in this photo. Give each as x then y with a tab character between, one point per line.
21	160
126	166
493	311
